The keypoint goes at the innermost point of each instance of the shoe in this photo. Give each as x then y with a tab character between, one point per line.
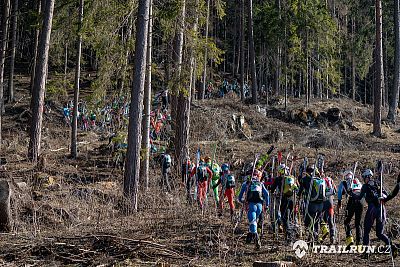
325	231
394	250
249	238
365	256
258	241
349	241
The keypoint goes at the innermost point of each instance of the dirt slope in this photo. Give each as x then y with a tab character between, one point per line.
79	218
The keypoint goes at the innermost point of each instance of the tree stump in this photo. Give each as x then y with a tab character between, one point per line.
5	210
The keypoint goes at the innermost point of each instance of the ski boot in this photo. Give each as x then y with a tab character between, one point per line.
394	250
257	240
249	238
325	231
349	241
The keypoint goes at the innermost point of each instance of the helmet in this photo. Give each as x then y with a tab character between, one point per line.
283	169
225	167
310	170
367	174
257	174
207	158
348	175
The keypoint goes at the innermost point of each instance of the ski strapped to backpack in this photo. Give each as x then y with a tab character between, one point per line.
380	171
197	166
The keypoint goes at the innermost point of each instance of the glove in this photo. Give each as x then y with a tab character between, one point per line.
270	150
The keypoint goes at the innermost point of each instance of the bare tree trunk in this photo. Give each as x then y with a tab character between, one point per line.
379	79
36	45
234	43
65	66
353	61
74	133
39	86
144	166
132	164
204	84
254	88
178	58
242	45
3	47
127	53
13	49
394	100
5	206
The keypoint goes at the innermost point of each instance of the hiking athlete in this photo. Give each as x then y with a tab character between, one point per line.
371	191
351	186
227	180
314	187
328	211
166	164
203	176
216	170
186	170
254	194
286	186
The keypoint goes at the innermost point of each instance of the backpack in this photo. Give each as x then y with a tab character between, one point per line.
355	186
318	190
269	180
289	185
254	193
230	181
167	161
330	189
216	171
202	173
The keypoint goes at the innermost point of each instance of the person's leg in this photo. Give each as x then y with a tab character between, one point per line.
230	194
380	226
357	221
350	209
252	219
215	190
368	222
284	213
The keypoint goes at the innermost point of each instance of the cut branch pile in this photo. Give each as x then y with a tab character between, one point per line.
90	250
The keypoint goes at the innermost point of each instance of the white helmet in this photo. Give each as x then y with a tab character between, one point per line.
367	173
348	175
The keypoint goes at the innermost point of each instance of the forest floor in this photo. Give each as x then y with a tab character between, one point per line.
71	212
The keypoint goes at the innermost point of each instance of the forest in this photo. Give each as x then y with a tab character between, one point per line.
126	126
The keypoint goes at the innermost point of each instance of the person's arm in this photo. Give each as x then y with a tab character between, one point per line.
265	195
340	193
210	174
218	182
395	191
242	191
